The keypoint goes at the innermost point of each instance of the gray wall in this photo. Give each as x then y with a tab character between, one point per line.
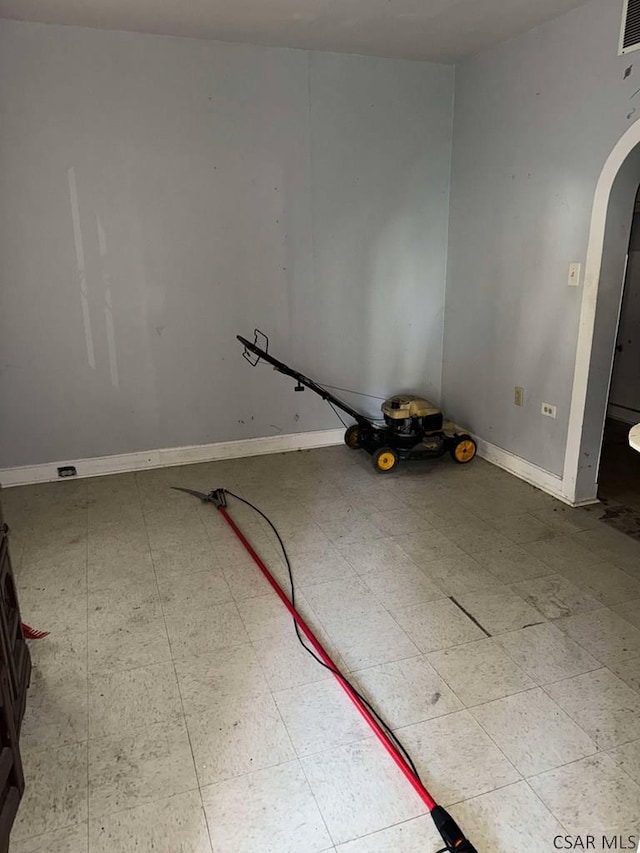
535	120
159	195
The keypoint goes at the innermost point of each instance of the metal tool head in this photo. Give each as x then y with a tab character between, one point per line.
30	633
217	497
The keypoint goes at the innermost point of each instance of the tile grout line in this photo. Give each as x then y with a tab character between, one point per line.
540	687
175	672
543	804
566	764
577	674
552	623
143	804
360	740
275	704
467	709
599	749
67	826
423	654
389	826
315	800
553	571
575	722
620	766
487	793
298	758
584	649
270	691
86	489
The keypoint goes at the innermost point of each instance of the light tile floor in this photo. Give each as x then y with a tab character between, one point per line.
172	710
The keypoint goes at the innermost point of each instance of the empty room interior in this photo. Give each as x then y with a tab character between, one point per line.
319	426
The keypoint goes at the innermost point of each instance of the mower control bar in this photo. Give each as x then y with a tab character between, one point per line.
299	377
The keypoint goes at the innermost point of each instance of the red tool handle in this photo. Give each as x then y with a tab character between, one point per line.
451	833
384	739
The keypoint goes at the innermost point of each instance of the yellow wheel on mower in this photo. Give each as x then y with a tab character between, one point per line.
352	437
464	449
385	460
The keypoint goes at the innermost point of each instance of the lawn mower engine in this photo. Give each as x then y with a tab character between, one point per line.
412	419
413	428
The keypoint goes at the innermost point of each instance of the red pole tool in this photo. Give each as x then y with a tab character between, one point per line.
451	833
33	633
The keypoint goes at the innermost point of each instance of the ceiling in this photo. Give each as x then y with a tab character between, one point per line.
437	30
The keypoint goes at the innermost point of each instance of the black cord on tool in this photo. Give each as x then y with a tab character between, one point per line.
336	388
351	391
334	671
339	416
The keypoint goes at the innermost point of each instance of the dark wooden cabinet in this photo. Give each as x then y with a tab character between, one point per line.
15	672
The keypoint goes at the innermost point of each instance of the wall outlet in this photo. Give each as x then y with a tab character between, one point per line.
574	274
548	410
67	471
518	397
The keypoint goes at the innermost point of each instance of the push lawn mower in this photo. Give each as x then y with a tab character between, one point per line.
412	428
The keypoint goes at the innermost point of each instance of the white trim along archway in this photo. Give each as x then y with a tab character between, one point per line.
593	264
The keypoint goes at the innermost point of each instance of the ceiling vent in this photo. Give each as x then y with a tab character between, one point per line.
630	32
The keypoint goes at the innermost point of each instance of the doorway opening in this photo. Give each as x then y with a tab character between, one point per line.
619	475
605	264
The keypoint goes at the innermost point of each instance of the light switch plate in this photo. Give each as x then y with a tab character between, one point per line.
574	274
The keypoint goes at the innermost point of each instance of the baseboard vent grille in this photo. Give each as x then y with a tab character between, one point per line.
630	32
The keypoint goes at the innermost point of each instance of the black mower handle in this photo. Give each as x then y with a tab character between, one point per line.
451	833
264	354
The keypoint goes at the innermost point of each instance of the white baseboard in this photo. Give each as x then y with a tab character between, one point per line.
527	471
583	502
97	466
619	413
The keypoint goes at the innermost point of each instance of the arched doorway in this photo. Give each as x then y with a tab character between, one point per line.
611	219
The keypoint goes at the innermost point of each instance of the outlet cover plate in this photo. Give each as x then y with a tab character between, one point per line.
574	274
